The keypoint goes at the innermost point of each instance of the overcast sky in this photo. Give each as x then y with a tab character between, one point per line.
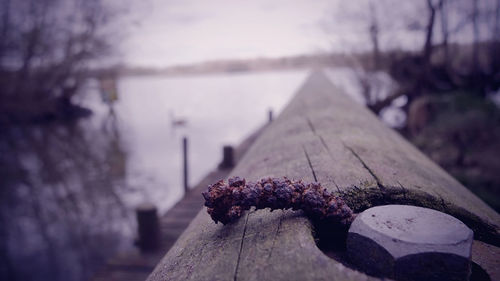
167	32
171	32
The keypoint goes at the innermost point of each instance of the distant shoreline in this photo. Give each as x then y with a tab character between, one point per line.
235	65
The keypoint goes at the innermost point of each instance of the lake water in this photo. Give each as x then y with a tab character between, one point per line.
69	190
216	110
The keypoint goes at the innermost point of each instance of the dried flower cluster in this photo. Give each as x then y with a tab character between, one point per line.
226	202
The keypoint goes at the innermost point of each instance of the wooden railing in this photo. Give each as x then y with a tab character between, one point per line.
322	135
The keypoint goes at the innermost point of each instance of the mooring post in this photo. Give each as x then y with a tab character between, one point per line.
185	163
270	115
227	157
148	227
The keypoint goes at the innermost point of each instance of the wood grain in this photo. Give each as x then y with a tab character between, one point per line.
322	136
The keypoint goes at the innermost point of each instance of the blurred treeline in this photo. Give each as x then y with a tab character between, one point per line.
459	46
61	207
45	48
449	81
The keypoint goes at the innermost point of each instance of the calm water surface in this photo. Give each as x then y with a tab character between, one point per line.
69	190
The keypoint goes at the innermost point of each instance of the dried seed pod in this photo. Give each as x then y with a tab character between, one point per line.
226	202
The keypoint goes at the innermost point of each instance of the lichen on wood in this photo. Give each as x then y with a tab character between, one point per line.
226	202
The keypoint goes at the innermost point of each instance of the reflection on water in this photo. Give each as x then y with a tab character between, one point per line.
68	190
155	112
61	204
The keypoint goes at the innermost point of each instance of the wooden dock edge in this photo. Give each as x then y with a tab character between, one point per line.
321	136
135	265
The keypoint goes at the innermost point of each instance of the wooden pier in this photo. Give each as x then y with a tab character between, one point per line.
323	136
136	265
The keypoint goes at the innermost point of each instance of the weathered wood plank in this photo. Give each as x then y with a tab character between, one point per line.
278	243
402	173
321	135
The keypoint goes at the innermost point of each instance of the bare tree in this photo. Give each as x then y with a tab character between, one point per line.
496	25
429	29
475	28
445	32
374	36
495	40
45	48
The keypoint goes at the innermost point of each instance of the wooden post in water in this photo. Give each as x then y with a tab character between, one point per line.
270	115
148	227
185	163
227	157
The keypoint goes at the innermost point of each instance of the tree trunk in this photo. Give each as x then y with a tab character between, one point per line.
444	31
5	27
475	46
495	42
428	34
374	31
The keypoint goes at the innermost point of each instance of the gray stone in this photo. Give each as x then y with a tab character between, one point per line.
410	243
